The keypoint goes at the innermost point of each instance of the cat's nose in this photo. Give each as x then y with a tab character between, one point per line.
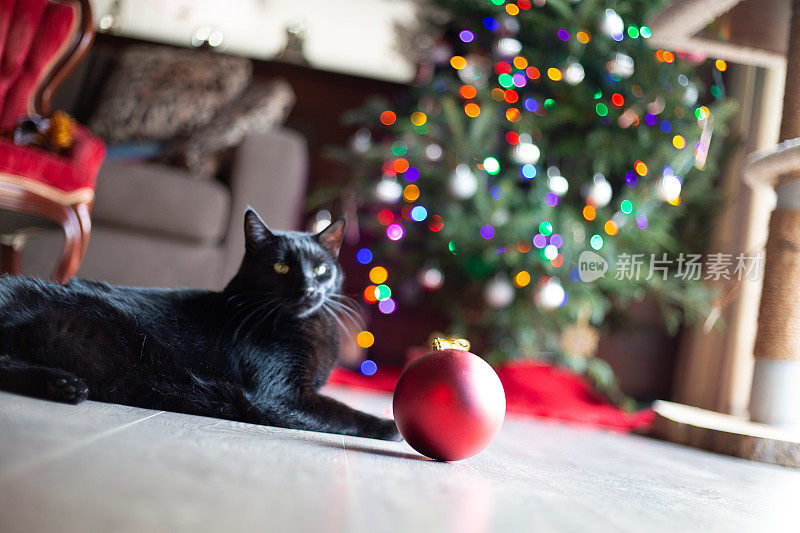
310	291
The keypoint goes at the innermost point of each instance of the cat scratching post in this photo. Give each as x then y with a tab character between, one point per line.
775	396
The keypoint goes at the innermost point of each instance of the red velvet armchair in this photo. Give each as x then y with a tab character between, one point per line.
41	41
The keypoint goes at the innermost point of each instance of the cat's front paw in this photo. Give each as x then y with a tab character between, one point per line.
386	429
66	388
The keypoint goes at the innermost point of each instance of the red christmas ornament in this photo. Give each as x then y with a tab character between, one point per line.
449	404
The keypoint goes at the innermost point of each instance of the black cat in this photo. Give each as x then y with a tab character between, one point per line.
256	352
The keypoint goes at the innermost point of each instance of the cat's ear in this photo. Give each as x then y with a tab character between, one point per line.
256	234
331	237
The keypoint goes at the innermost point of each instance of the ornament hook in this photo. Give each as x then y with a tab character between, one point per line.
450	344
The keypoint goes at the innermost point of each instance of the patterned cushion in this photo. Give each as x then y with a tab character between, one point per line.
260	109
158	92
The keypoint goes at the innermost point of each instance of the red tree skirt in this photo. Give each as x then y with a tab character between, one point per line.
532	389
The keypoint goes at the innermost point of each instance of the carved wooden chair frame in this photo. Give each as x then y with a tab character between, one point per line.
73	215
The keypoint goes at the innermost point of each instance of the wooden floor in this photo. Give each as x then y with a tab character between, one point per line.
104	468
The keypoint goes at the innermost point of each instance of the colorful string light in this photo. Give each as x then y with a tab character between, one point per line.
528	171
418	118
522	279
385	217
411	193
364	256
466	36
378	275
370	294
458	62
418	213
365	339
518	86
472	109
387	306
383	292
388	118
400	165
513	115
368	367
554	74
436	224
491	165
467	91
395	232
490	23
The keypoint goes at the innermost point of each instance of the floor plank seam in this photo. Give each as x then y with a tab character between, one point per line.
39	461
346	459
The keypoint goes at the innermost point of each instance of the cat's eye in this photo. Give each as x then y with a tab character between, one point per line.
281	268
321	270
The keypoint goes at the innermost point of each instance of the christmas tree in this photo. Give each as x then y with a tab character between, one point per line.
536	132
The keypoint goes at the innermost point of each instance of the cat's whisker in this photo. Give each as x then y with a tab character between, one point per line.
245	307
344	297
263	318
332	312
355	324
356	319
350	310
242	298
336	318
353	315
350	304
258	308
347	300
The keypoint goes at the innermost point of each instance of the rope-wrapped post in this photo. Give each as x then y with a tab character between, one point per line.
775	396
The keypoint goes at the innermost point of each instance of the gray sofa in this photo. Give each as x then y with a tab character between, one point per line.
155	225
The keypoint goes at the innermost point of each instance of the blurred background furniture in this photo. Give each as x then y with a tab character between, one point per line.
40	43
156	223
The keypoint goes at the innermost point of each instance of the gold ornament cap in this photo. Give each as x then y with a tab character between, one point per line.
450	344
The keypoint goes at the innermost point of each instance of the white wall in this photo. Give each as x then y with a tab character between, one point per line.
350	36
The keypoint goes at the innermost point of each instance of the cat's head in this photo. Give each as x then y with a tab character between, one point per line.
297	270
